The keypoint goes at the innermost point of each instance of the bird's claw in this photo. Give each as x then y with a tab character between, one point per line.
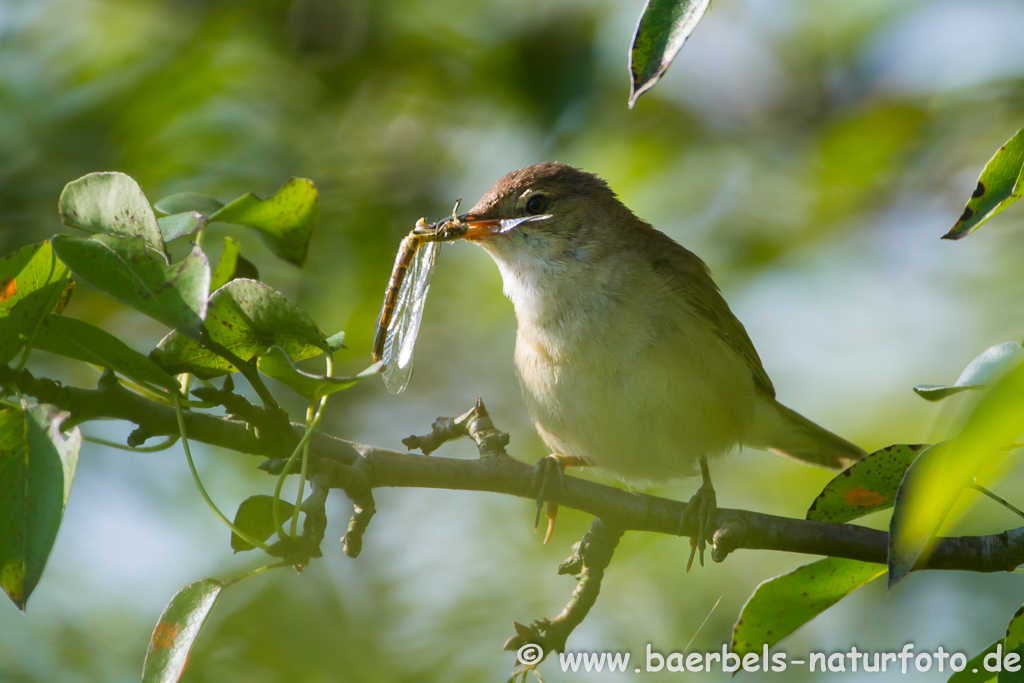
703	506
547	467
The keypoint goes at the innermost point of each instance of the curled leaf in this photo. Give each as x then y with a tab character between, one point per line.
110	204
999	186
663	28
988	367
284	221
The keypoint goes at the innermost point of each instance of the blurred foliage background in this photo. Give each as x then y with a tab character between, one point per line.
812	151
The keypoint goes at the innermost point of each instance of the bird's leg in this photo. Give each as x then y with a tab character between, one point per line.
703	504
552	465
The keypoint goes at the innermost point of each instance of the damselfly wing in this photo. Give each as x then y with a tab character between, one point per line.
401	316
402	311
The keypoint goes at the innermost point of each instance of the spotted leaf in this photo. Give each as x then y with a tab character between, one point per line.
177	629
781	605
1000	184
868	485
663	28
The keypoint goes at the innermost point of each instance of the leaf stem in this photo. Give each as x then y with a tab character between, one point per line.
1006	504
312	420
254	572
247	369
202	490
162	446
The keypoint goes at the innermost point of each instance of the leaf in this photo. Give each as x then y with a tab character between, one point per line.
284	221
110	204
990	365
225	270
276	364
126	270
177	629
999	186
933	483
79	340
781	605
180	224
255	517
189	201
32	284
336	341
37	466
868	485
232	266
975	671
247	317
663	28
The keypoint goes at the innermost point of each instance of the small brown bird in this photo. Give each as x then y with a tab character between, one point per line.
629	358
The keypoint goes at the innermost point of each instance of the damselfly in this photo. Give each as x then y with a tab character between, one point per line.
402	310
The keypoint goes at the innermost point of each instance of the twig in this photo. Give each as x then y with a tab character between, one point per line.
590	558
475	423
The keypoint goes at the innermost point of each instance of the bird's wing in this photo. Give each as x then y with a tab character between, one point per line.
687	275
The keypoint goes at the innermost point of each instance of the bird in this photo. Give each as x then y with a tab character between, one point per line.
629	358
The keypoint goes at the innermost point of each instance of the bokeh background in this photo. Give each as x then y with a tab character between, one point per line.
811	151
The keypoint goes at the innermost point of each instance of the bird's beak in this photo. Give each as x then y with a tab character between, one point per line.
481	228
478	227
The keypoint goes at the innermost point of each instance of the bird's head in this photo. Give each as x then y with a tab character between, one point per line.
582	213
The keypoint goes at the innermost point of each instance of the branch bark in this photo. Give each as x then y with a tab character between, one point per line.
358	467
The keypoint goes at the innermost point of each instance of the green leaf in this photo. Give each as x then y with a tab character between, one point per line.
37	466
247	317
126	270
110	204
992	364
663	28
189	201
336	341
276	364
232	265
868	485
255	517
940	474
79	340
32	284
975	671
180	224
284	221
999	186
781	605
177	629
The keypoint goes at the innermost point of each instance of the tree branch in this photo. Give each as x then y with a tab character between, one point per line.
356	467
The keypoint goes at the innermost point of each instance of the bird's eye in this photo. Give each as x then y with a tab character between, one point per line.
536	204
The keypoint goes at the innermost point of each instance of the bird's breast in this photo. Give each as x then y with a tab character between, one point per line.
618	386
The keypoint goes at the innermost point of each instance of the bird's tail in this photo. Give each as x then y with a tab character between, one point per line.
788	433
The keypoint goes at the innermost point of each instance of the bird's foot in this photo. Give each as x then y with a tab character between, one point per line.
548	468
703	506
